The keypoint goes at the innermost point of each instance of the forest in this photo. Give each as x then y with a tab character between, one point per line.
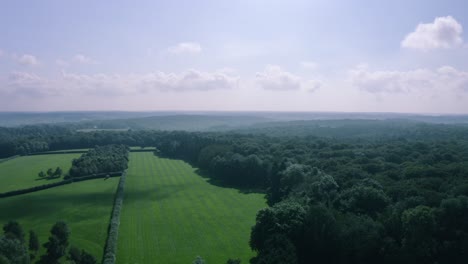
338	191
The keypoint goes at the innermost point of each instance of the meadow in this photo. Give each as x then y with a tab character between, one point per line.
21	172
85	206
171	215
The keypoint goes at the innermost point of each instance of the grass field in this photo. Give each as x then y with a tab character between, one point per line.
21	172
171	215
85	206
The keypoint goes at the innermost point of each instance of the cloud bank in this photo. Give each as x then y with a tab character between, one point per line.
23	83
443	33
276	79
445	79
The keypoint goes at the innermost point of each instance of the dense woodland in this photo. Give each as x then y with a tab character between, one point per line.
339	192
101	159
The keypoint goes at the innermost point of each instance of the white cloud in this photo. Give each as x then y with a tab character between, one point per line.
276	79
115	84
444	32
28	84
27	59
185	47
82	59
310	65
445	79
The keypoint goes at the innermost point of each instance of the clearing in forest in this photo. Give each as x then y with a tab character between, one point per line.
171	215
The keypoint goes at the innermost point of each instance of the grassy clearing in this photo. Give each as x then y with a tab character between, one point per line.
85	206
21	172
171	215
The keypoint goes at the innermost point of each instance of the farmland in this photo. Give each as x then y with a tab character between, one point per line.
21	172
84	206
171	215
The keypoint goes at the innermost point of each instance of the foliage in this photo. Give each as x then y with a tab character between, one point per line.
33	244
110	252
385	185
101	159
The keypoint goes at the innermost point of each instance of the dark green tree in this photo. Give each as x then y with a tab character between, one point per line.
58	172
33	241
50	172
419	225
12	229
13	251
58	242
80	257
41	174
278	250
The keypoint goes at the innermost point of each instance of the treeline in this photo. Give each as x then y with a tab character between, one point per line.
101	159
31	139
15	249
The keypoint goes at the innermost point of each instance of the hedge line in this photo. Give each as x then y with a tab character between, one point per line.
77	151
55	184
57	152
9	158
110	250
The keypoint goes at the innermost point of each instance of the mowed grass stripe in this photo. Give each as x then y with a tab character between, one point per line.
85	206
179	215
21	172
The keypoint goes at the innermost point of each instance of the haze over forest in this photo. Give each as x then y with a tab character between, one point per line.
342	56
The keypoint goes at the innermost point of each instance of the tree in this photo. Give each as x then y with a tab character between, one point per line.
58	172
87	258
418	230
13	230
13	251
80	257
50	172
33	241
278	250
233	261
363	199
58	242
283	218
320	237
41	174
74	254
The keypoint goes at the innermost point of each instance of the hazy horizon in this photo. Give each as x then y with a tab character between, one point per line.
244	56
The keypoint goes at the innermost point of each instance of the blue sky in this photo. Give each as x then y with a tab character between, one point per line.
370	56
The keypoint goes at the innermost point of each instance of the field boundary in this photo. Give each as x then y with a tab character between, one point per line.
55	184
110	250
57	152
9	158
75	152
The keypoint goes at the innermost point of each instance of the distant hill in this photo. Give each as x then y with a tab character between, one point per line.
257	122
177	122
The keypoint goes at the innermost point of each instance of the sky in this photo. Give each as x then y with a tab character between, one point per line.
245	55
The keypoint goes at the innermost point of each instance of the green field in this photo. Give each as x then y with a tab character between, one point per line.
85	206
21	172
171	215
